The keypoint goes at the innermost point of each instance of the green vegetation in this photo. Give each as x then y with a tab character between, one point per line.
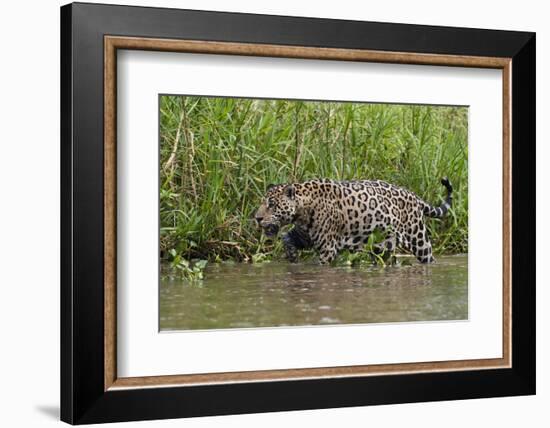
217	155
189	270
369	255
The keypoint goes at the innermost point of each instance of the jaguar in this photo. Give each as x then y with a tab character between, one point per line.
330	216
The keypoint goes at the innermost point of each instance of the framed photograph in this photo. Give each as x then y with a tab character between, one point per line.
265	213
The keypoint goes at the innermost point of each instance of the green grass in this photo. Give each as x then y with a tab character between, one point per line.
217	155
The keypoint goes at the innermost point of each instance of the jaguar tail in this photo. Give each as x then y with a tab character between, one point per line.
438	212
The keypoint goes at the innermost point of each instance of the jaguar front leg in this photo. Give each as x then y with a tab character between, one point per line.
296	239
327	238
291	250
327	254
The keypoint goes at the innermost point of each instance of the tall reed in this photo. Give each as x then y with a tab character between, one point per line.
217	155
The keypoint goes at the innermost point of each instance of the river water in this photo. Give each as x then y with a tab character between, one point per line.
241	295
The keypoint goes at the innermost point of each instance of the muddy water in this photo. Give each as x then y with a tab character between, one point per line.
282	294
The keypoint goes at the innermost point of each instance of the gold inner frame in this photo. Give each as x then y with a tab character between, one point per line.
113	43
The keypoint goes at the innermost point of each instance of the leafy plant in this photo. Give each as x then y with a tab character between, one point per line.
260	258
189	270
370	255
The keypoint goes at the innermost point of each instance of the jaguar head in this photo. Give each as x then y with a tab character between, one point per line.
278	208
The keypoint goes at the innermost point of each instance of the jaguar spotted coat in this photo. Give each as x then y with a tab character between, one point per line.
330	216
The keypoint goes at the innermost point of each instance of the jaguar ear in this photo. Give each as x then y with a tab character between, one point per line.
270	186
290	191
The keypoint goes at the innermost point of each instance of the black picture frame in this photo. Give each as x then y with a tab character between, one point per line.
83	398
